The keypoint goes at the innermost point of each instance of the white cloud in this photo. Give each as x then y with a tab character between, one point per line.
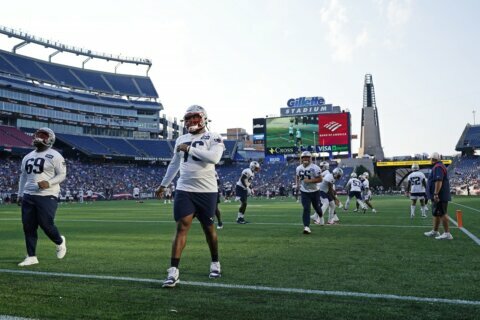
398	12
344	43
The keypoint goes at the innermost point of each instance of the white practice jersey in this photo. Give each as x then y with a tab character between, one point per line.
197	166
249	174
311	171
327	180
416	179
366	185
48	165
354	185
136	191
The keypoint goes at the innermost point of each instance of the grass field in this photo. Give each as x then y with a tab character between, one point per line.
371	266
278	136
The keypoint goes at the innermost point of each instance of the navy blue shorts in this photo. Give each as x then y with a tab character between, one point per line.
324	195
241	193
356	194
439	209
201	204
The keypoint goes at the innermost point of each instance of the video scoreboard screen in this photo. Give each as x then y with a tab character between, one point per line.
326	132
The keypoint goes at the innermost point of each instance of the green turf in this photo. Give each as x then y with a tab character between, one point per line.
383	253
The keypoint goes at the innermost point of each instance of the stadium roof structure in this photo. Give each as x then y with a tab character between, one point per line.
62	75
470	139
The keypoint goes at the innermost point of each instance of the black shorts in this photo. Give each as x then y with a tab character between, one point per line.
439	209
355	194
241	193
202	204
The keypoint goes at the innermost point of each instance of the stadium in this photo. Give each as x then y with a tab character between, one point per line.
115	135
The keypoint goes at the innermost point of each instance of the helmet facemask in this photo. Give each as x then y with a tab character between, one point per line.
194	122
43	137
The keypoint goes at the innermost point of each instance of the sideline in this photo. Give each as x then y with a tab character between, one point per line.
254	288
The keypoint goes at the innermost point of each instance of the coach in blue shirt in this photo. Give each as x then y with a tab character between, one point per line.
439	192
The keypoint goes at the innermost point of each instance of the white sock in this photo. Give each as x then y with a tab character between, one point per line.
423	210
240	215
412	210
347	203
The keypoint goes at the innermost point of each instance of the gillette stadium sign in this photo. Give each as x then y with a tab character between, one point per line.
306	102
306	105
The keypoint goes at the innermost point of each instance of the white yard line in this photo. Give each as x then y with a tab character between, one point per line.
468	233
254	288
234	223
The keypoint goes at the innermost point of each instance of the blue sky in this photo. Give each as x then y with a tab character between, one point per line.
245	59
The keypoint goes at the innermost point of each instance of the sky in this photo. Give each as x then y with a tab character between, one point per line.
244	59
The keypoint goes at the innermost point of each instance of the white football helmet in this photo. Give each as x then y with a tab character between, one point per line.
254	166
337	173
353	175
195	118
324	165
308	157
366	175
44	136
415	167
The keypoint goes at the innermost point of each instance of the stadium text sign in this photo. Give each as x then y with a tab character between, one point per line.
409	163
326	108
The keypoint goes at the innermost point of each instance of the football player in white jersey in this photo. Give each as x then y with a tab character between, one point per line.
244	188
196	154
417	184
354	189
328	196
136	193
308	175
42	171
367	193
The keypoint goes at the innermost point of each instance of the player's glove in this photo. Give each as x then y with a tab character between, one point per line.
159	191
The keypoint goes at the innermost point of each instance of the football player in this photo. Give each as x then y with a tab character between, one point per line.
298	138
308	175
195	155
367	193
228	188
328	196
417	184
244	188
42	171
354	189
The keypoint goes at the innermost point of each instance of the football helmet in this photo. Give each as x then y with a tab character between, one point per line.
337	173
415	167
366	175
308	157
324	165
254	166
195	118
353	175
44	136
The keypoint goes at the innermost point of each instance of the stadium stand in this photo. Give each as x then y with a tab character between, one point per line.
12	137
469	140
35	69
465	173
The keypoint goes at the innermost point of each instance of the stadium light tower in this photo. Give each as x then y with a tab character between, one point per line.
370	142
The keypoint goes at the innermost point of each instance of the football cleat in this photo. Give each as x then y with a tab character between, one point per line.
307	230
172	278
241	221
445	236
62	248
28	261
220	225
215	270
431	233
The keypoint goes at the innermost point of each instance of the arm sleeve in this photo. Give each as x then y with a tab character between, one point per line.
21	182
60	172
172	169
213	155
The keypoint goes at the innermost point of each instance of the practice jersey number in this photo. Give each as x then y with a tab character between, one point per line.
34	165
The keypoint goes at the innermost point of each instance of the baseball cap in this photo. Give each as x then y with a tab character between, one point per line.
435	156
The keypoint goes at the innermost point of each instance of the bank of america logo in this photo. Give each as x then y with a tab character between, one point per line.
332	126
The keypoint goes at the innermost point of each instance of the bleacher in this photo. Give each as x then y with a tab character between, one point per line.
470	139
11	137
43	71
230	148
